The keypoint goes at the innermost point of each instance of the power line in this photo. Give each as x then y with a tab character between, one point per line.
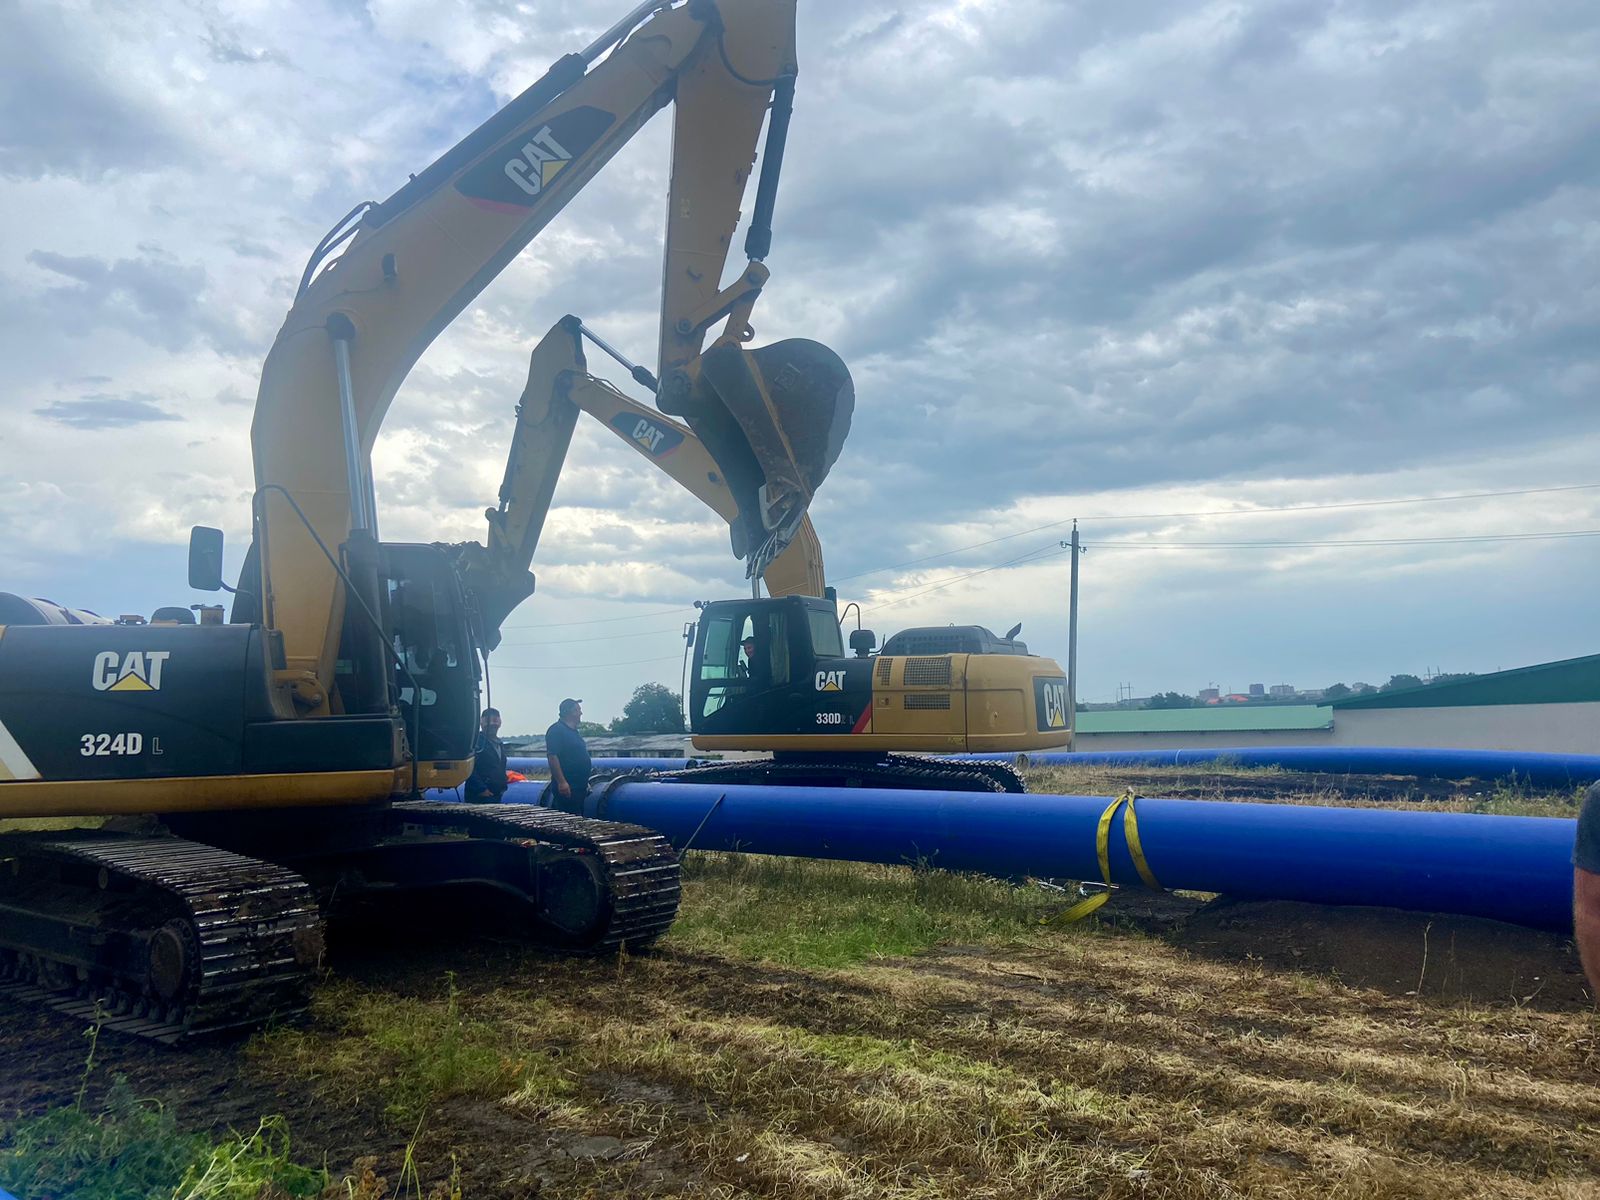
664	612
1053	550
638	662
1216	512
610	637
1423	541
1221	512
1040	552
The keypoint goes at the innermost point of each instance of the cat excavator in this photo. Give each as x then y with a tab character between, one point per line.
770	673
235	783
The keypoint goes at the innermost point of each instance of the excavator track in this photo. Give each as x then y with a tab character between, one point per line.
192	939
637	871
901	771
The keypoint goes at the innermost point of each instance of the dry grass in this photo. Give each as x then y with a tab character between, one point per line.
821	1031
1276	786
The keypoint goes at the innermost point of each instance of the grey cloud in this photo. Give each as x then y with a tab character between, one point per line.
248	248
66	110
152	297
105	411
1262	249
225	46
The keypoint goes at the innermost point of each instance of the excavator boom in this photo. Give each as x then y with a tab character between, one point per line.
773	418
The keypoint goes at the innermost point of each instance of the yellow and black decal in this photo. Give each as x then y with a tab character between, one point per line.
514	175
1050	702
653	437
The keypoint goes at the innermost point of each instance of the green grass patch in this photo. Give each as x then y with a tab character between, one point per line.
133	1150
416	1053
808	913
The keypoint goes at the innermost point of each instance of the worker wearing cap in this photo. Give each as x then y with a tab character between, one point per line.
568	757
1586	887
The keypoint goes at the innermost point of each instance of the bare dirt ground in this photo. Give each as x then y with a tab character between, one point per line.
821	1030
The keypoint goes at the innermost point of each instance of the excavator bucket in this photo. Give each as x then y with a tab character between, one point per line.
775	420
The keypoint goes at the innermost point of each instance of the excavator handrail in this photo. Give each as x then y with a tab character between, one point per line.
366	611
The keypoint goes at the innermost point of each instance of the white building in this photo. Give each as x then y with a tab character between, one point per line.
1552	707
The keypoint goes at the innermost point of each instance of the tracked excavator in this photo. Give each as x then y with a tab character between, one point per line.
770	674
253	778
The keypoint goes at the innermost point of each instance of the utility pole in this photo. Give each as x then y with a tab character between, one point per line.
1072	634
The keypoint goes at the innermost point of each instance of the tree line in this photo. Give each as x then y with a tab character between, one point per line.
1337	691
653	708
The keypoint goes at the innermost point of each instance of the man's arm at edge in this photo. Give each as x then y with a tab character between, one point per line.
1586	923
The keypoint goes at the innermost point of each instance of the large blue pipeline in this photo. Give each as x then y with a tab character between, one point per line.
1544	770
539	766
1514	869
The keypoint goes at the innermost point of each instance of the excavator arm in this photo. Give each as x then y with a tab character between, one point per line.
769	418
559	388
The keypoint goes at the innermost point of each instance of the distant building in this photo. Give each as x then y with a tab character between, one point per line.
614	745
1219	725
1209	695
1282	691
1552	707
1257	690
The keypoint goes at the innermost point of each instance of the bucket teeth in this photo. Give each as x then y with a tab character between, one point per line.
775	420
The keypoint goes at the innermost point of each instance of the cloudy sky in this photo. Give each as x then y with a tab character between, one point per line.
1164	267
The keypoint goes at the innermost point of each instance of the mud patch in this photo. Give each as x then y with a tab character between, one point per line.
1433	956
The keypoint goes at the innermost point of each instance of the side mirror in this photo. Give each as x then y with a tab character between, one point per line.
862	641
205	559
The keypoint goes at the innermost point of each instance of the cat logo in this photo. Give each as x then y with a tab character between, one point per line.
1054	694
136	671
830	681
539	161
657	441
515	175
648	436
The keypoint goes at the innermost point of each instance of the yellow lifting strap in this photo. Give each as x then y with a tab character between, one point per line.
1102	846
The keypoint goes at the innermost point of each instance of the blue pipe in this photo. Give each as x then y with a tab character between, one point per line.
1516	869
529	765
1545	770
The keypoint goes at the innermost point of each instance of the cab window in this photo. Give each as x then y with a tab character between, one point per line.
728	668
825	639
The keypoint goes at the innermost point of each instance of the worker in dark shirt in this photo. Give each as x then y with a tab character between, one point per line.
568	757
1586	887
487	783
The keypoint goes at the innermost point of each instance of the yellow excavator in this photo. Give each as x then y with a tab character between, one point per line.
770	674
256	775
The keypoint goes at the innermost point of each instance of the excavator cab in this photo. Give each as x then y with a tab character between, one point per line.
773	674
774	667
407	661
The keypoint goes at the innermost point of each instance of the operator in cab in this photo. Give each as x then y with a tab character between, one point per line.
568	756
